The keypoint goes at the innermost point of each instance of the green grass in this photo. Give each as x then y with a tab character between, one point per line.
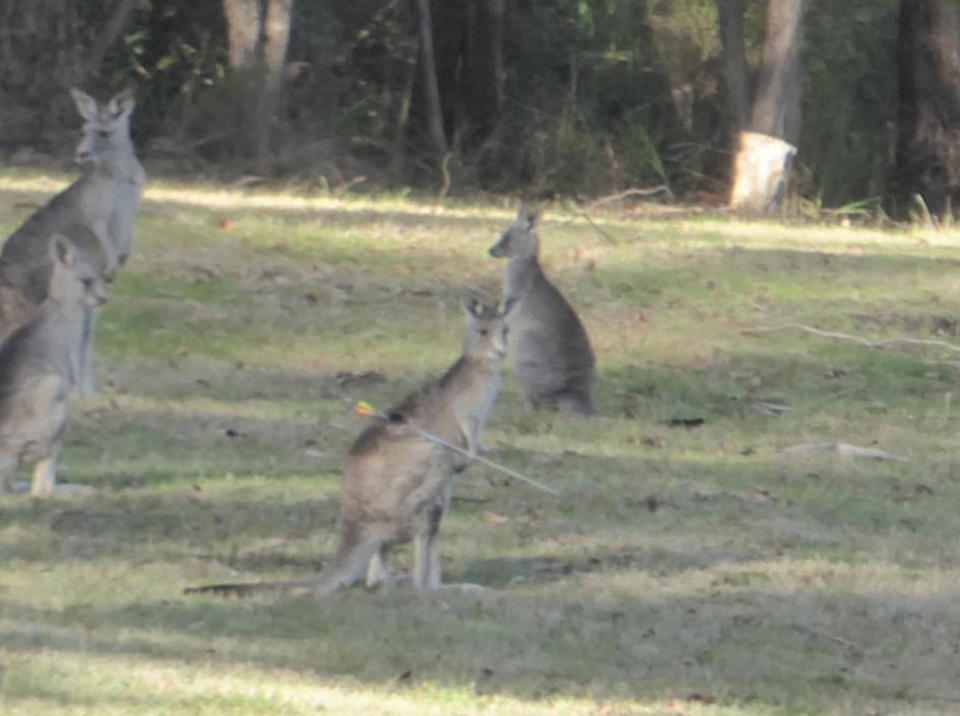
702	570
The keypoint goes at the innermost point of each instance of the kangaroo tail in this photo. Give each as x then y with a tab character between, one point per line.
349	567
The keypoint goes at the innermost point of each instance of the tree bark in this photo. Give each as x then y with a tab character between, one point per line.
468	55
482	80
111	31
776	108
435	131
41	55
243	32
276	38
730	21
765	152
927	161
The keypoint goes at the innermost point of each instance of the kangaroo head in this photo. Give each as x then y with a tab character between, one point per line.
485	336
520	239
106	127
73	281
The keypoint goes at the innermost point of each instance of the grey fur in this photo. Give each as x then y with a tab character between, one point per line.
95	213
552	357
39	364
396	482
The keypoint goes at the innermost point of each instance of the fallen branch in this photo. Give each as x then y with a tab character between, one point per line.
616	197
662	188
609	237
845	449
835	336
830	637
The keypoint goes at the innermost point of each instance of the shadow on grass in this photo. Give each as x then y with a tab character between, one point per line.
739	643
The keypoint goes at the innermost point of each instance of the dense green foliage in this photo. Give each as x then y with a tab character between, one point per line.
599	96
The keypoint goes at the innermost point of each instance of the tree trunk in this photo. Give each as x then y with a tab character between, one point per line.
438	139
41	55
482	81
243	32
111	31
927	159
258	34
765	153
468	54
730	20
276	38
776	108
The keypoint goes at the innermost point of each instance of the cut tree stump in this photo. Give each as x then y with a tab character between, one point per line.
760	171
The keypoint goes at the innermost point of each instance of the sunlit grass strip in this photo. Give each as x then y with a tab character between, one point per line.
121	683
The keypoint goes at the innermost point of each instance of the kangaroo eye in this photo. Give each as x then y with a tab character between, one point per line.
88	283
483	331
103	134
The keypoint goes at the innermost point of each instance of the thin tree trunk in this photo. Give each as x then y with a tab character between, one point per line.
928	134
765	152
403	117
730	20
111	31
438	140
41	54
243	32
482	83
776	108
276	37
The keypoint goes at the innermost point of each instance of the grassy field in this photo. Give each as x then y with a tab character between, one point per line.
700	570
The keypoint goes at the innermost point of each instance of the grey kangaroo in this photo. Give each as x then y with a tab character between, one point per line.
552	357
39	363
396	482
95	213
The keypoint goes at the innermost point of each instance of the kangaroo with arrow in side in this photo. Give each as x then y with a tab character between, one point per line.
397	481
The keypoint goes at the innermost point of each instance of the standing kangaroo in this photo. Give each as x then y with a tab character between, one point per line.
95	213
39	363
552	357
396	482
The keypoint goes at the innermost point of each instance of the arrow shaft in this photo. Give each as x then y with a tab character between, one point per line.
485	461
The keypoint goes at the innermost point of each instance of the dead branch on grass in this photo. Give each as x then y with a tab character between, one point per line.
835	336
609	237
845	449
830	637
662	188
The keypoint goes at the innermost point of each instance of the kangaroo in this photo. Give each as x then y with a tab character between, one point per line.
15	310
552	357
95	213
397	482
39	363
106	145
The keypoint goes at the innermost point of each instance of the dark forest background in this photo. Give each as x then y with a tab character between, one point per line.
544	97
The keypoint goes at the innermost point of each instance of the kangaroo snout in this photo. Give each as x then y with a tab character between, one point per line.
496	250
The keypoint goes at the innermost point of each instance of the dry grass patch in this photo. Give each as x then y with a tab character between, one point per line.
692	565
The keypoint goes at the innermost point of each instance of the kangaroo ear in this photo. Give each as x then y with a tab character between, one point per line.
121	104
508	305
86	105
472	305
61	250
527	217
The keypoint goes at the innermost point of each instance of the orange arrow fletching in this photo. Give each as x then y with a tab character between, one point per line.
364	408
